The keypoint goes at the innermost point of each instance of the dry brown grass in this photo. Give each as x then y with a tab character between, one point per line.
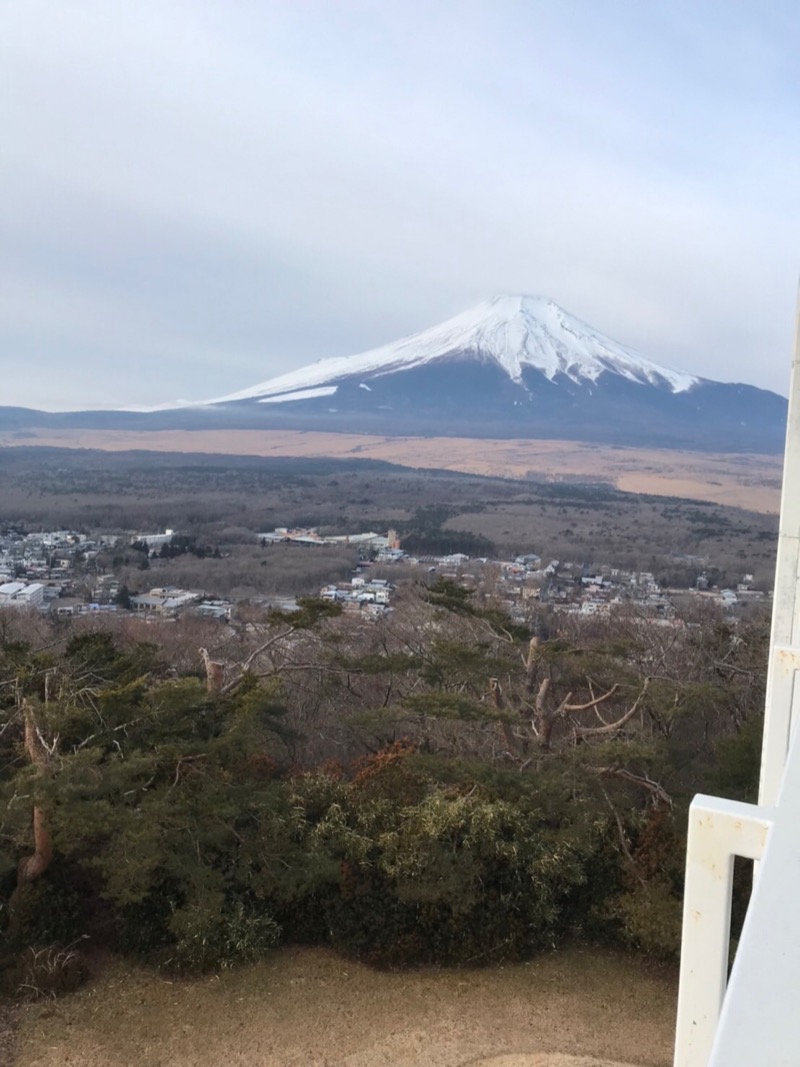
747	481
544	1060
310	1008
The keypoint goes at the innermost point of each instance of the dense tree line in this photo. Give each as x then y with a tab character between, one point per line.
440	785
423	535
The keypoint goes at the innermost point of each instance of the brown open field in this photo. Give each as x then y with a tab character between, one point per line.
737	480
311	1008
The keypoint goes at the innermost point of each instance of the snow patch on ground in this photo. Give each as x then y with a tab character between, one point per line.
299	394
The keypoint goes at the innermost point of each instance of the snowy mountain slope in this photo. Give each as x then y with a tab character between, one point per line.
511	367
514	332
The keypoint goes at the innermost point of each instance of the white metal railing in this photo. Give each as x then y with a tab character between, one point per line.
751	1020
719	830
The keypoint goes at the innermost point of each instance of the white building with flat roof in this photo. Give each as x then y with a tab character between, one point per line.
21	594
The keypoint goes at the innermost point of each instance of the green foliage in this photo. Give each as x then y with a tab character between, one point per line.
423	534
380	662
455	879
452	664
51	910
447	594
738	762
450	706
437	542
123	598
650	920
214	933
445	871
193	829
311	611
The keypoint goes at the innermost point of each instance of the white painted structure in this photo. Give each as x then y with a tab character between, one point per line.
21	594
155	540
751	1020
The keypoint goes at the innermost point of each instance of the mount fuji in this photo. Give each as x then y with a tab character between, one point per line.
512	366
511	334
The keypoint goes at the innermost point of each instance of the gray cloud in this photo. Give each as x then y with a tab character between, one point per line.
198	197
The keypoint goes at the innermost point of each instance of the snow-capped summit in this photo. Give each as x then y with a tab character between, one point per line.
512	367
512	331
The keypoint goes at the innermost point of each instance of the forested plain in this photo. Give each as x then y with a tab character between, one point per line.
438	785
225	500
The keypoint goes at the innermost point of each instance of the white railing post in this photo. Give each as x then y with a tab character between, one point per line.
784	694
785	636
734	1027
760	1023
719	830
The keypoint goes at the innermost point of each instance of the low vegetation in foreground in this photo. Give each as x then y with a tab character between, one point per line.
439	785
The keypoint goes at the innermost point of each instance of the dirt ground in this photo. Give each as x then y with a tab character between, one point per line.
746	481
310	1008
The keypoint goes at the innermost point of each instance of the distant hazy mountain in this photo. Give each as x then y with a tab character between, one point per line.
514	366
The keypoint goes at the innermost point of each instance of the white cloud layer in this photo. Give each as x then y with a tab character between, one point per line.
199	196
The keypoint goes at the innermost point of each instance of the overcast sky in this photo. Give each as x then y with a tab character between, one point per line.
197	195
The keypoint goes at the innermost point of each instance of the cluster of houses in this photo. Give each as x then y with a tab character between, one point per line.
43	556
579	589
168	600
52	571
39	568
370	595
47	571
572	588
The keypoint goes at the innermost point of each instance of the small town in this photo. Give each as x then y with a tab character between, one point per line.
66	573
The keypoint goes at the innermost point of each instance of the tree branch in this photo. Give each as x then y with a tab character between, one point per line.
656	791
611	727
